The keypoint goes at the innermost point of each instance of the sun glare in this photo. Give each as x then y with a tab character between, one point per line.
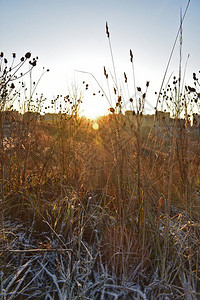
93	112
95	126
94	108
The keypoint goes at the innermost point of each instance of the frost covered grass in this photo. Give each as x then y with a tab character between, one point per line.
48	266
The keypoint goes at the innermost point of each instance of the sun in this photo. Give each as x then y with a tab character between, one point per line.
94	108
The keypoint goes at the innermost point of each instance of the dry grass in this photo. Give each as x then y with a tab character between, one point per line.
106	214
78	201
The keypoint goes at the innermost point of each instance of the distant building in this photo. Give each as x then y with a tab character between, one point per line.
161	119
49	117
196	120
32	115
148	120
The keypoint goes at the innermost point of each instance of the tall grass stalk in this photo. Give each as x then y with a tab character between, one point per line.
112	57
172	52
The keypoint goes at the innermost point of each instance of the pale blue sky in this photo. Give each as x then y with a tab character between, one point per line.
70	34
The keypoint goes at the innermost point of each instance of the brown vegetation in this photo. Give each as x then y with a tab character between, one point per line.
111	213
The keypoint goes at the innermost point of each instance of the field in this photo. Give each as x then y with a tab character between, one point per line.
104	209
111	213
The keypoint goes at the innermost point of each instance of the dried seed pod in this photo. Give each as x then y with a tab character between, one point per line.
131	55
104	69
112	110
105	73
28	55
107	31
194	76
191	89
125	77
119	99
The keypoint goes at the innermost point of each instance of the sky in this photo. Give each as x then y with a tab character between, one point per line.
69	35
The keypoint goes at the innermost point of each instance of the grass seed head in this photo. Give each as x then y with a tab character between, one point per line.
107	30
125	77
131	55
28	55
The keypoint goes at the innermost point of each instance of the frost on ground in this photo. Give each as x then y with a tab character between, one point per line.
47	267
